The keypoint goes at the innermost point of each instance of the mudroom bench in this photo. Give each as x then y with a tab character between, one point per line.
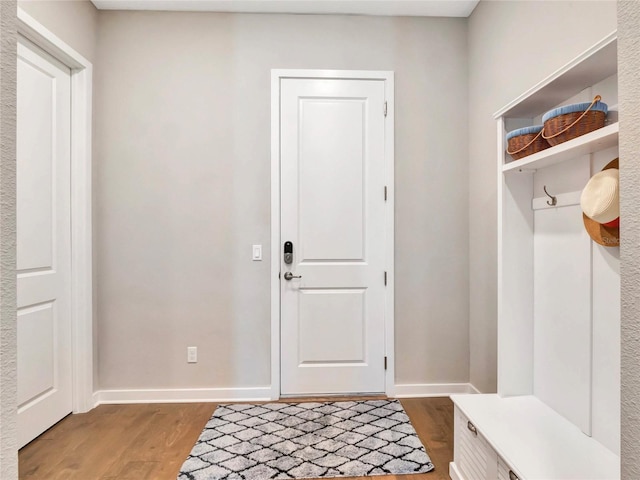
521	438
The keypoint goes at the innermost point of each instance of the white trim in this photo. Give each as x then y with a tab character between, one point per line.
275	235
501	183
420	8
37	33
81	238
389	157
419	390
337	74
183	395
388	78
81	235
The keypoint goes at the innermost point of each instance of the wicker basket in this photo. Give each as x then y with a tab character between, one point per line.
525	141
572	121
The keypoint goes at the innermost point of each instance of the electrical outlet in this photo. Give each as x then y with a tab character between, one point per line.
192	354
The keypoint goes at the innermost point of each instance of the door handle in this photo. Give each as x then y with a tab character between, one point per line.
289	276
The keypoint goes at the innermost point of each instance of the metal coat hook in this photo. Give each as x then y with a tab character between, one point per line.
553	201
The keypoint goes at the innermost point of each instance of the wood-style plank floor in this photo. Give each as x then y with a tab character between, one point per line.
150	441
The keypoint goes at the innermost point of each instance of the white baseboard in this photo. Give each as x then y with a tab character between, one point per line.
454	473
433	389
474	389
255	394
183	395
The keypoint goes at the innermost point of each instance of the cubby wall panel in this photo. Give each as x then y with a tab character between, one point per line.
562	313
515	292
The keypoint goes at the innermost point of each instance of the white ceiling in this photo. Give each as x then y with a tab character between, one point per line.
420	8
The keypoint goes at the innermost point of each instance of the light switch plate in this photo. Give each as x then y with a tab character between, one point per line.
257	253
192	354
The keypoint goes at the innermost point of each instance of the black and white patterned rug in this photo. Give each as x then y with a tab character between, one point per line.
306	440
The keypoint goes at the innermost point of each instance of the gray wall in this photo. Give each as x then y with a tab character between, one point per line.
183	145
512	46
8	330
629	94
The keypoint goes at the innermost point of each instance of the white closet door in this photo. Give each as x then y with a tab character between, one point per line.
44	244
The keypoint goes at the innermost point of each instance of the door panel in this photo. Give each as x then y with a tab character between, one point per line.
43	241
335	166
35	351
324	312
333	210
37	105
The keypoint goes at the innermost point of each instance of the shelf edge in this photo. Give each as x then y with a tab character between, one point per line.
530	162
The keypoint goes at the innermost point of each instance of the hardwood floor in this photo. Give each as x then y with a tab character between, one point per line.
150	441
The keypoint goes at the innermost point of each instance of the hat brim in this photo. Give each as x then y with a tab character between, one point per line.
605	236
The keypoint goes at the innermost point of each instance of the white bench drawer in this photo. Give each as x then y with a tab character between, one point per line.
473	456
505	472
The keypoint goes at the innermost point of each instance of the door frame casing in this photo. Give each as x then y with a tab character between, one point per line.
277	75
81	215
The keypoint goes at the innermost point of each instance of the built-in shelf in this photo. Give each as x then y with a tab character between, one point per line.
589	68
600	139
556	373
531	436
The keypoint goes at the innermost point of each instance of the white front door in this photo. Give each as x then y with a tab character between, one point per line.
44	244
332	163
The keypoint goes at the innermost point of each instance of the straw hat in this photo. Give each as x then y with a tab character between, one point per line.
600	202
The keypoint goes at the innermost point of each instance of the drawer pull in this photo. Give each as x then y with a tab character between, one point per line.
513	476
473	428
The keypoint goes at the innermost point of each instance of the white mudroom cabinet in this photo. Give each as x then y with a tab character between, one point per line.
557	411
